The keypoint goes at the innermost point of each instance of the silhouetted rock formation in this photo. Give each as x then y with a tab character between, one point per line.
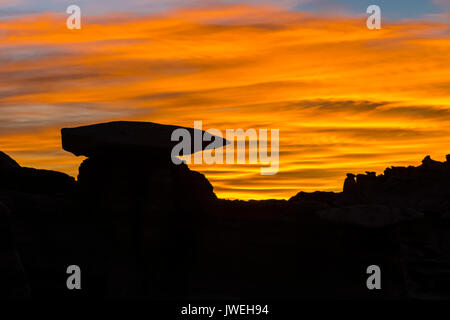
12	275
30	180
6	162
425	188
37	201
141	227
152	206
127	136
369	216
350	184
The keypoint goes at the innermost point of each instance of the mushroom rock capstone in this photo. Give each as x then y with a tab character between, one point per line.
130	153
127	136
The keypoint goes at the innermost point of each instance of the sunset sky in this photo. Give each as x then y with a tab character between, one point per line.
345	98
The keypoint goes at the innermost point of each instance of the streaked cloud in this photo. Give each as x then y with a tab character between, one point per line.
346	99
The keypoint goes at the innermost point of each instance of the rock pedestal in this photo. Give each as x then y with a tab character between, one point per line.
153	208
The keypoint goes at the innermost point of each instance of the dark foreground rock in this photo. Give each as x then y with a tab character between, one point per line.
12	274
141	227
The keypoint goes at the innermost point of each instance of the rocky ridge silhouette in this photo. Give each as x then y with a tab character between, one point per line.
140	226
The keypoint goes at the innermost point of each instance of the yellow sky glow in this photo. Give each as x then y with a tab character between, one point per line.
345	98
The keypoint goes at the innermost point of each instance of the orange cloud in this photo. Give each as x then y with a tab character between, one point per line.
345	98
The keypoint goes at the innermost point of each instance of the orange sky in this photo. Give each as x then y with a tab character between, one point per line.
345	98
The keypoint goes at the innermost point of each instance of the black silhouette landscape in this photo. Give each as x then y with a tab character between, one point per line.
142	227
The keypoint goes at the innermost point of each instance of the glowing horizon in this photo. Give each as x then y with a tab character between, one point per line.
345	98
